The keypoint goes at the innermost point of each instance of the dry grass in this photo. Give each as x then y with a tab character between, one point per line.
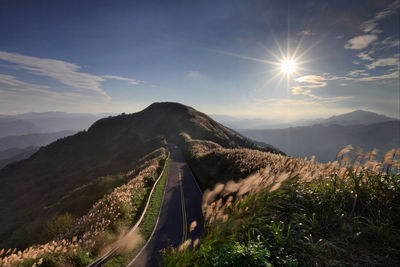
281	168
88	232
262	209
252	171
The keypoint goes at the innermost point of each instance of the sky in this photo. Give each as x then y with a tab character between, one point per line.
220	57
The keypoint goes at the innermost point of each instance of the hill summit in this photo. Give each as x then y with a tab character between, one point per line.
51	178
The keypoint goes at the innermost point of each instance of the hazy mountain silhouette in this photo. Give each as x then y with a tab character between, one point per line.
30	187
16	154
45	122
15	148
352	118
37	139
357	117
324	141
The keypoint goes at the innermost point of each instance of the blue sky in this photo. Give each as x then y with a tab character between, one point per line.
221	57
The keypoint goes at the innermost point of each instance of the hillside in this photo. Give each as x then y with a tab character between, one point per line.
110	146
273	210
323	141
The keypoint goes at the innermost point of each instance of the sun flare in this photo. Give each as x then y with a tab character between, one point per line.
288	66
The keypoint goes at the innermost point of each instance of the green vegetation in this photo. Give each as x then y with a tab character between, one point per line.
80	241
59	224
149	220
339	221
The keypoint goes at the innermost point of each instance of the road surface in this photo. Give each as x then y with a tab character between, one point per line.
180	207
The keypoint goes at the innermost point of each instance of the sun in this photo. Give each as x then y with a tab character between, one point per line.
289	63
288	66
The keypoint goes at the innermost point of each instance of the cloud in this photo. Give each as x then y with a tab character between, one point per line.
392	75
360	42
64	72
370	25
369	28
386	43
312	81
383	62
309	82
366	77
194	74
17	85
365	56
355	73
118	78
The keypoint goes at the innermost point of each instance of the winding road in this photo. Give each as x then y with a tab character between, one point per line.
181	206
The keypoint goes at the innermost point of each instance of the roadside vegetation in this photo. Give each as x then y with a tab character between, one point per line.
79	241
295	212
147	224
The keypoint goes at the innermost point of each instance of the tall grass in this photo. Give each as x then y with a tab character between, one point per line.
89	235
296	212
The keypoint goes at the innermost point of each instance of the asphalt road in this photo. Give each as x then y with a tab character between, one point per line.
180	207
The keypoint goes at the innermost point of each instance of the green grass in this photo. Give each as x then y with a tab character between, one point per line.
149	220
148	223
342	221
80	258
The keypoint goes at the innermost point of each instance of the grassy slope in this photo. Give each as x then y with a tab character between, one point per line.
149	220
348	218
103	224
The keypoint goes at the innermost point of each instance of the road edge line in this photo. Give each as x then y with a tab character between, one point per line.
111	251
154	228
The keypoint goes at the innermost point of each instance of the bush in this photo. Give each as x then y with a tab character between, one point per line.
59	224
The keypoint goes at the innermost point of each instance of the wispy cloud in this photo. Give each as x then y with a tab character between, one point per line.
118	78
66	73
17	85
365	56
308	83
194	74
384	62
360	42
369	28
371	24
357	73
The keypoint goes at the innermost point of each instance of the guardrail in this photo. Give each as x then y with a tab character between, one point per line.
112	252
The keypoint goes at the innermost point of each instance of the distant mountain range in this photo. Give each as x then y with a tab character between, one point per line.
36	188
14	148
325	137
46	122
356	117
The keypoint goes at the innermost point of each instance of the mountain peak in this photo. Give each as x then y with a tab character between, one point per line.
357	117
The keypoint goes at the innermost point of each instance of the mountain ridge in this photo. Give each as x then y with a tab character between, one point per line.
360	117
110	146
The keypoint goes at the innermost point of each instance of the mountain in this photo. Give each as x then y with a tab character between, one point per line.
324	141
16	154
352	118
36	139
110	146
357	117
15	148
9	126
46	122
